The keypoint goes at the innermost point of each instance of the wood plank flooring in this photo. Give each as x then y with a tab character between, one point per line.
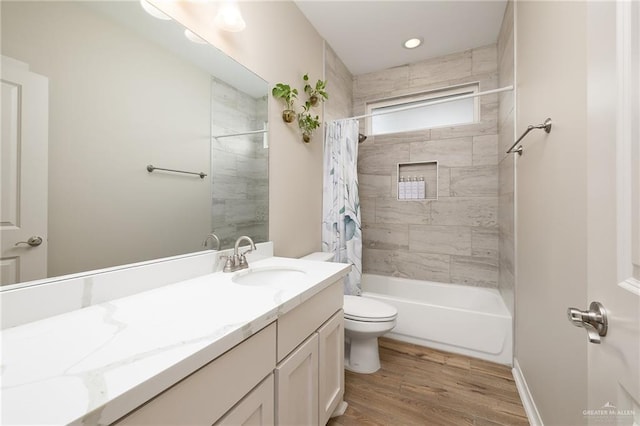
422	386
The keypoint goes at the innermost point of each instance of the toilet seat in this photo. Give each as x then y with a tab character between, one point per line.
358	308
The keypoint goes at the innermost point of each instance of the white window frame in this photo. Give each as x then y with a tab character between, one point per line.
435	94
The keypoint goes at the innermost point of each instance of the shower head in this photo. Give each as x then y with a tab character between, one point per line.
361	138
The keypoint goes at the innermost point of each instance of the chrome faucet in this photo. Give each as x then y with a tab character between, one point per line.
238	261
212	236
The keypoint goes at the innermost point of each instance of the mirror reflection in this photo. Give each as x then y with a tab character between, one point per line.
92	94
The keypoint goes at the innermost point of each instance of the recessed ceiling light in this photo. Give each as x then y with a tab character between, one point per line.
412	43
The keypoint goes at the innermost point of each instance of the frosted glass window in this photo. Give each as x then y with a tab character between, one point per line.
452	113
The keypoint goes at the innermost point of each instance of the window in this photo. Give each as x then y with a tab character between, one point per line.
463	111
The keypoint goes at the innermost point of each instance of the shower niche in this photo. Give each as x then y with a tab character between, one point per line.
417	181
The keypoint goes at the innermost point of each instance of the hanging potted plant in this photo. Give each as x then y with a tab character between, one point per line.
307	122
316	93
286	93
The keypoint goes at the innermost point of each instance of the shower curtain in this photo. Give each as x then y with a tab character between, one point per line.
341	227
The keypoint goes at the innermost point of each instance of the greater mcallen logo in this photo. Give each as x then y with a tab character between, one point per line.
608	410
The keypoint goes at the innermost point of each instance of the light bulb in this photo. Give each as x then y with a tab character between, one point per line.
229	18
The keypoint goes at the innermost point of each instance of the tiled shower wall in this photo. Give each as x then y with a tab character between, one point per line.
339	87
506	167
239	166
453	239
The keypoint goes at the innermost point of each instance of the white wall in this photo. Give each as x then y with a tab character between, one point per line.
279	45
551	199
94	171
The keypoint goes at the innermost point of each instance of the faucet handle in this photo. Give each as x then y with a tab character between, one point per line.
229	264
242	261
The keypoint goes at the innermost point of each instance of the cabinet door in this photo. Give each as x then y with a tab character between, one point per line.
331	365
297	386
256	409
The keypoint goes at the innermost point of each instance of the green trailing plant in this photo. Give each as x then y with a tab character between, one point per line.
288	95
316	93
307	122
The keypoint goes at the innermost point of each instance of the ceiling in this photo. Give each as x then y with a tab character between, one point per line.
368	35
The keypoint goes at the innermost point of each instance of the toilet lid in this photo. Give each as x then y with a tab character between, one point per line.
364	309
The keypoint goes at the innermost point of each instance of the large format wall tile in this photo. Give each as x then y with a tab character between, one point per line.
474	181
484	242
479	271
376	161
457	65
374	185
454	238
422	266
465	211
386	236
484	59
440	239
485	150
378	84
390	210
448	152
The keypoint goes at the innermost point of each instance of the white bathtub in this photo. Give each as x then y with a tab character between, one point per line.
471	321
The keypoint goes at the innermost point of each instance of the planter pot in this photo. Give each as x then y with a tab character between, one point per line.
313	100
288	115
306	137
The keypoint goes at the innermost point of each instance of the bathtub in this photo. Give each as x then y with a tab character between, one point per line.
471	321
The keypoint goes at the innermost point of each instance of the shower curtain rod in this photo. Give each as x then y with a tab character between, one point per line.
441	101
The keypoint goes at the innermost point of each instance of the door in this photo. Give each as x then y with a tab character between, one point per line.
331	365
23	168
577	215
297	386
613	270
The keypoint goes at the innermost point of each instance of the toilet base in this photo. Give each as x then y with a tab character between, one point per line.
361	355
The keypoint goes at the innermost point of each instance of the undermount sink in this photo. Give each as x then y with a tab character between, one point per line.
275	276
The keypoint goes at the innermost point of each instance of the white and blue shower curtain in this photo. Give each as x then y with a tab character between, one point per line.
341	226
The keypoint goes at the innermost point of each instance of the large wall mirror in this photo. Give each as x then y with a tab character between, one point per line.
115	90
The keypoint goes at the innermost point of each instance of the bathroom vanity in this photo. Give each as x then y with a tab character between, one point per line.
217	348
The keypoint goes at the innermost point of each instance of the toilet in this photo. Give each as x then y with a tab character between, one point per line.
364	321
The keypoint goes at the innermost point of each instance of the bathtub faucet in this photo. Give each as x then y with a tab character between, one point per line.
238	261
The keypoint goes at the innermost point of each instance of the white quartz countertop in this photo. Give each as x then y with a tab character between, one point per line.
94	365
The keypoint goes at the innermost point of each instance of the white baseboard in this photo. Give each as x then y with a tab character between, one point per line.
525	395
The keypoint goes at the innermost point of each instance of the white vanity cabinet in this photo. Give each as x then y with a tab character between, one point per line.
206	395
310	374
289	373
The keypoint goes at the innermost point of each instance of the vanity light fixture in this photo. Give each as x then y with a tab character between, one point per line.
193	37
412	43
154	11
229	17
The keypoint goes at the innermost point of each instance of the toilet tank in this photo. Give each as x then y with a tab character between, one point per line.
319	256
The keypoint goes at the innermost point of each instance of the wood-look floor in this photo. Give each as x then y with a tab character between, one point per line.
422	386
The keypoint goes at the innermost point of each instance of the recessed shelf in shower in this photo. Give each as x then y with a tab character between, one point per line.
420	173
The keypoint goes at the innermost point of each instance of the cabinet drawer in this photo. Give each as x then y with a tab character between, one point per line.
204	396
298	324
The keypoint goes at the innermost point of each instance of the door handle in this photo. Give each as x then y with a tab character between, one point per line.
33	242
594	320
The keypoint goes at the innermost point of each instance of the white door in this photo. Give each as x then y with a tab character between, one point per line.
297	386
23	168
614	209
330	366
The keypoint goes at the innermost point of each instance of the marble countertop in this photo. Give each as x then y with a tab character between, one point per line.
94	365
